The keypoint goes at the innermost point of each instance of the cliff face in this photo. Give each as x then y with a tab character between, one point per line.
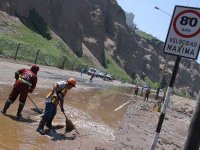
100	24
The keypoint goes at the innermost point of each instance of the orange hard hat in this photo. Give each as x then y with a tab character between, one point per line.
72	81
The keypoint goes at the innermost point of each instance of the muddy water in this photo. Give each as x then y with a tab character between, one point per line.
102	104
95	109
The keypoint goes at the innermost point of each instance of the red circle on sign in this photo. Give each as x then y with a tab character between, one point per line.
179	33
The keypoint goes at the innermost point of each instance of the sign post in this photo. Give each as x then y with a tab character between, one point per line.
193	137
183	41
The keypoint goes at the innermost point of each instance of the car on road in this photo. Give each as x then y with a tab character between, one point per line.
91	71
108	77
99	74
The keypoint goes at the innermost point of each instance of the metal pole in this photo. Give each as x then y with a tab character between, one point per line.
36	56
161	78
193	138
62	66
17	51
167	99
163	11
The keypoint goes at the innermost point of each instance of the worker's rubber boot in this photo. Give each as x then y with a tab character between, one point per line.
40	128
20	108
49	123
6	106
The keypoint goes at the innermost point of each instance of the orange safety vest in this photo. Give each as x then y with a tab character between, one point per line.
54	98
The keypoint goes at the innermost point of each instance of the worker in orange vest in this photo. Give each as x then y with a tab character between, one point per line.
54	98
147	94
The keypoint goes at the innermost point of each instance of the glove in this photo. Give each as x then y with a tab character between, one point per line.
69	125
62	110
30	90
17	75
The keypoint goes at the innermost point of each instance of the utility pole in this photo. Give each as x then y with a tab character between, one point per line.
193	138
163	11
161	77
166	59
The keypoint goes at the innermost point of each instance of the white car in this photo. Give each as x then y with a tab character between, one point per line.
108	77
91	71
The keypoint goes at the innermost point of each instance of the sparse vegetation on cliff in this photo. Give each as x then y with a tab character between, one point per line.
53	52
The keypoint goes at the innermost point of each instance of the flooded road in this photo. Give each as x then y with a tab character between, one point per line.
95	112
102	104
107	118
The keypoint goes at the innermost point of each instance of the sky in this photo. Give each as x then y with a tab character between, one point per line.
151	20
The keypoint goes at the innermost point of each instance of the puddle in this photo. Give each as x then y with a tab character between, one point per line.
102	103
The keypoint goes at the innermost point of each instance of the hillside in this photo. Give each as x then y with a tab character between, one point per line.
53	52
92	27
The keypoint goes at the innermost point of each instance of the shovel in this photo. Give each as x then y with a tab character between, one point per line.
36	109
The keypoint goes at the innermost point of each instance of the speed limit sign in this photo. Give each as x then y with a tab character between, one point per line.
183	38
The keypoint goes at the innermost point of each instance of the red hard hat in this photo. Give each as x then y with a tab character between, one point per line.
72	81
35	68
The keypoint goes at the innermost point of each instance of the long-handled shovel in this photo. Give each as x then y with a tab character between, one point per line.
37	109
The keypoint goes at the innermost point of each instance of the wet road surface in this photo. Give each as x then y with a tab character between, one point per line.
95	112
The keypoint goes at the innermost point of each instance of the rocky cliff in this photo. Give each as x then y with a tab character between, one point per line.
100	25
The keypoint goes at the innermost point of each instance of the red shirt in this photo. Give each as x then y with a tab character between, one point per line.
28	76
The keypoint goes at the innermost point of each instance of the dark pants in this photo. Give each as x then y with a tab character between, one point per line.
146	97
136	92
19	89
49	114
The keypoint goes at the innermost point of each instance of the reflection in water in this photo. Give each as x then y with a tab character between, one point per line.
101	103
